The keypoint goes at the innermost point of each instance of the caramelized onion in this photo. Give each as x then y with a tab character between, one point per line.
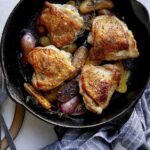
70	106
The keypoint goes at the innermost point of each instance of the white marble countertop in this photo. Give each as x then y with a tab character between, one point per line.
34	133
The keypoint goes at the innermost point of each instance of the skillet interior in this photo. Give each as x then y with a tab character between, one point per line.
24	16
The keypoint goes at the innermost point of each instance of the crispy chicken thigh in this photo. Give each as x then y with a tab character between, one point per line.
63	23
111	40
97	85
51	67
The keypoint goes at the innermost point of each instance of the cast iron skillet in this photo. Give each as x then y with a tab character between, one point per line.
24	16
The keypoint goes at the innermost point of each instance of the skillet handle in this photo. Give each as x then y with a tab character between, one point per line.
14	93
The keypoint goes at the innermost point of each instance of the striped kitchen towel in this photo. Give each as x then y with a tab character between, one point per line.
131	135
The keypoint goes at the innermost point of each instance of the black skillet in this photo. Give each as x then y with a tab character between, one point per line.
24	16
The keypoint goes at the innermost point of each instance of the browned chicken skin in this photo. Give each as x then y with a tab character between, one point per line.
111	40
51	67
63	23
97	85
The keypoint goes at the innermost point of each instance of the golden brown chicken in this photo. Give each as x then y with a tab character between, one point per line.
111	40
51	67
97	85
63	23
